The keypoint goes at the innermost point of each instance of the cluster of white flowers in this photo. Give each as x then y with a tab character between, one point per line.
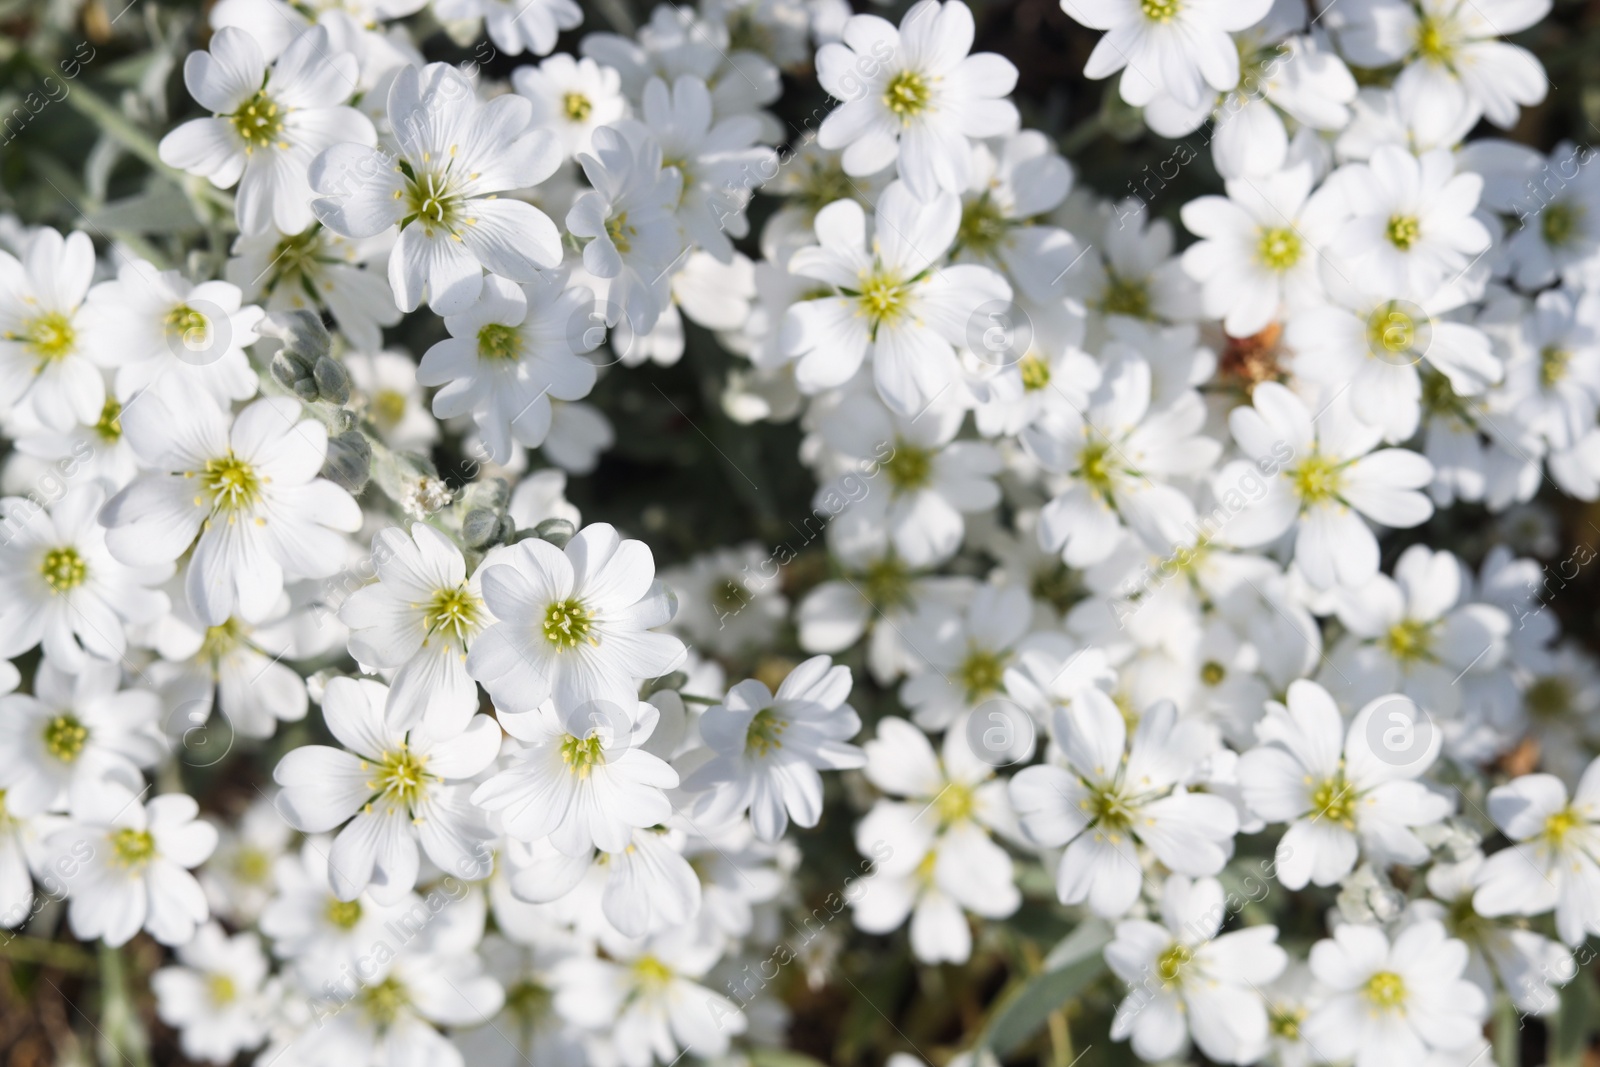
1142	613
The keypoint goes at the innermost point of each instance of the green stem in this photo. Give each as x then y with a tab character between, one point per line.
55	954
122	1034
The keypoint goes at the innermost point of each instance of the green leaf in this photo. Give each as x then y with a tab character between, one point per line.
1577	1023
1070	967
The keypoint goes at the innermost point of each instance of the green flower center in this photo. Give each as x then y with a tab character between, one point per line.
1125	296
909	468
1548	697
1056	585
765	732
1434	40
1284	1022
1279	248
433	201
51	337
887	583
567	623
907	95
982	672
1160	10
221	641
1403	231
344	913
65	736
63	569
983	226
528	1000
189	327
388	406
1096	466
583	754
400	777
259	122
454	612
955	804
729	595
1212	673
1391	329
1334	800
252	866
577	107
501	344
233	484
1386	990
131	849
1170	964
384	1001
1108	811
109	427
1317	479
1559	223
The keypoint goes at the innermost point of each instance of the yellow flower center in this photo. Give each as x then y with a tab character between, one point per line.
1279	248
1553	363
1317	479
765	732
1126	296
907	95
63	569
1284	1022
577	107
567	623
221	988
1170	964
65	736
955	804
1559	223
190	328
1035	373
1160	10
1434	40
388	407
109	427
1096	466
650	971
1386	990
51	338
1409	641
455	612
1560	824
1212	673
344	913
131	849
1333	799
384	1001
583	754
621	233
259	122
233	484
1403	231
400	777
882	298
499	343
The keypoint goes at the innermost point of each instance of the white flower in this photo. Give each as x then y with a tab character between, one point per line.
385	384
628	217
129	864
933	857
1453	64
648	1002
1410	634
420	617
284	273
1012	188
267	124
728	599
768	747
1114	794
72	732
1552	384
149	324
1262	247
572	98
43	360
717	158
1555	862
1186	977
1320	482
516	26
214	996
1180	46
455	154
580	778
906	475
392	790
1412	225
1339	795
507	355
249	491
914	96
238	877
1114	458
1392	1003
890	298
574	623
60	585
967	654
